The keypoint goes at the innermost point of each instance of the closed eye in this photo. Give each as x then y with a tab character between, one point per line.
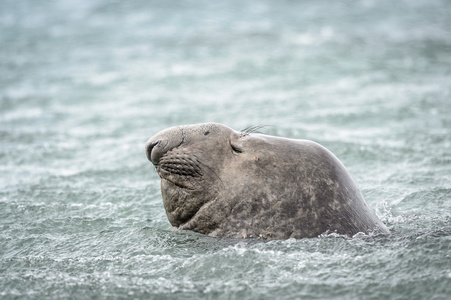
236	149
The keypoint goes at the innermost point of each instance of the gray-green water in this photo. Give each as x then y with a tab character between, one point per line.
84	84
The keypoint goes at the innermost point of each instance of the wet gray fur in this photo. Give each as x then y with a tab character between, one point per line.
225	183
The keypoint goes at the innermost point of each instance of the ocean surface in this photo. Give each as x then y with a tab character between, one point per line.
84	84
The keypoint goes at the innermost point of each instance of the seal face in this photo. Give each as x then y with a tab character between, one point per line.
225	183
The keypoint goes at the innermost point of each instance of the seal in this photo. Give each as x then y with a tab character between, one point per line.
243	184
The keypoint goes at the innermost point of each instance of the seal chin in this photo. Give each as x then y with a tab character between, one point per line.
174	179
173	184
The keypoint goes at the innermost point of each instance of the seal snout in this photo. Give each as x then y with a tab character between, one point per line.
151	145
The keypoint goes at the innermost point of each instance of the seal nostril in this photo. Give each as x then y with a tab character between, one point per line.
150	148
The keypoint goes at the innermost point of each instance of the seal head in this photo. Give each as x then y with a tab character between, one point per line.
226	183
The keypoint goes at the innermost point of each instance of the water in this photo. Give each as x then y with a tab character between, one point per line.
84	84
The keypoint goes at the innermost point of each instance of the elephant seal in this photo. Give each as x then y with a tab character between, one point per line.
226	183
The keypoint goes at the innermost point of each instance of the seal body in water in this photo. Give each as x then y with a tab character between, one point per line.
226	183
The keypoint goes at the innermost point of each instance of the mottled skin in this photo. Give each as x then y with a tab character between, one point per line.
225	183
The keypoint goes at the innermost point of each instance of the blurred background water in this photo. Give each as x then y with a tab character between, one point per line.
84	84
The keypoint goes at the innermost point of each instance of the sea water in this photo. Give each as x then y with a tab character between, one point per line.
84	84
